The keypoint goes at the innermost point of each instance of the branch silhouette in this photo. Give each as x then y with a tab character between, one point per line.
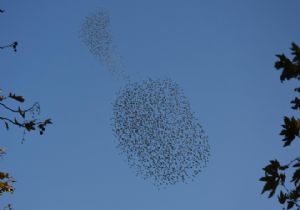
25	119
276	173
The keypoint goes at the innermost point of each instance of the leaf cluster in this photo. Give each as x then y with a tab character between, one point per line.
18	117
290	68
290	131
21	118
6	183
275	173
275	177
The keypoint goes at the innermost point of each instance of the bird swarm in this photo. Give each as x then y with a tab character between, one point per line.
158	133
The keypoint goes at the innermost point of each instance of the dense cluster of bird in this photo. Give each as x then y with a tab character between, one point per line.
96	34
155	128
158	133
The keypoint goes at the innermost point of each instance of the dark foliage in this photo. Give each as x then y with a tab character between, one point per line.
288	192
290	68
23	118
158	132
13	115
290	130
6	183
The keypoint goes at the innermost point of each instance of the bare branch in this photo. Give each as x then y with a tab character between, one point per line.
17	111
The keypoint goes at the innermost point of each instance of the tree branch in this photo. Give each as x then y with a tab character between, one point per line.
17	111
11	121
12	45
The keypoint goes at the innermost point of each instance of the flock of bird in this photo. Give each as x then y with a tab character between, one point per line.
96	34
158	133
155	128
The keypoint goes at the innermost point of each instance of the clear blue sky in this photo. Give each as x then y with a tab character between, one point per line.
220	52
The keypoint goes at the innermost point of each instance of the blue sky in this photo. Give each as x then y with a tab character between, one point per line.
221	53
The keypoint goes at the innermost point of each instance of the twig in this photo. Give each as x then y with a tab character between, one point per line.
25	110
12	45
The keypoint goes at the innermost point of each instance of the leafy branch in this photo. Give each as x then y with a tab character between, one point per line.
20	118
275	173
28	125
275	177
